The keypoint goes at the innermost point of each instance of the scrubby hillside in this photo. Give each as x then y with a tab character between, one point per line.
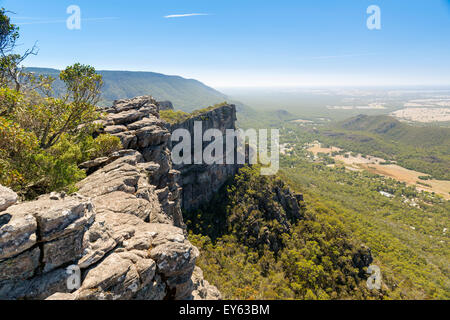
391	128
259	241
424	149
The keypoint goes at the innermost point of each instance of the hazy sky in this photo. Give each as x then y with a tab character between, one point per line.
246	42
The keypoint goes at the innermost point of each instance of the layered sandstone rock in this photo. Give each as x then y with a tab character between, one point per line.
37	239
136	122
200	182
123	229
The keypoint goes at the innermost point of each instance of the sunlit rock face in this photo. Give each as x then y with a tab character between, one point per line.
7	198
123	228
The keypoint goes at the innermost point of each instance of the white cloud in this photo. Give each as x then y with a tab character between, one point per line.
185	15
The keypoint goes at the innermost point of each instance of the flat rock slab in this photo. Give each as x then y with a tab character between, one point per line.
17	232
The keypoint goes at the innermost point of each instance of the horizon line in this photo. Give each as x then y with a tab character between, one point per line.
267	86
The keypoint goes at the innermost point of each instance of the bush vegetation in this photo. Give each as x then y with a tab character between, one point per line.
178	116
314	257
43	138
405	232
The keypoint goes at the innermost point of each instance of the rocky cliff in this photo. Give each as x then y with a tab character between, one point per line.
165	105
123	229
200	182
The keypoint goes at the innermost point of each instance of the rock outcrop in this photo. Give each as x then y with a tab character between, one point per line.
165	105
202	289
200	182
7	198
121	235
136	122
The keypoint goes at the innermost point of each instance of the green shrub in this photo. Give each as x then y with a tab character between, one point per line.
104	145
59	166
8	99
17	150
31	171
172	116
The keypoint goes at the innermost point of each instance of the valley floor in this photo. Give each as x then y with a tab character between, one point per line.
378	166
406	231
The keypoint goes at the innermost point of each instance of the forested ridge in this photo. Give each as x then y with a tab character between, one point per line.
248	253
185	94
343	213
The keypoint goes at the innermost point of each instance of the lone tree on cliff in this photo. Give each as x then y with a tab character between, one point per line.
76	110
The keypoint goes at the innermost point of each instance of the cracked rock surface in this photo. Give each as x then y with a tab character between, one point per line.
123	229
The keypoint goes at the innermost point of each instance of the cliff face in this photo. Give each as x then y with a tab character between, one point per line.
123	229
200	182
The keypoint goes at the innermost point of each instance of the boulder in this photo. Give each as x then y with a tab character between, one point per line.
17	232
7	198
58	225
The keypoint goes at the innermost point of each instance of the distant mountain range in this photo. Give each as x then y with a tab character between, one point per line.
185	94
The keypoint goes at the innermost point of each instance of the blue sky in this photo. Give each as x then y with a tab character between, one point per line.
247	42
